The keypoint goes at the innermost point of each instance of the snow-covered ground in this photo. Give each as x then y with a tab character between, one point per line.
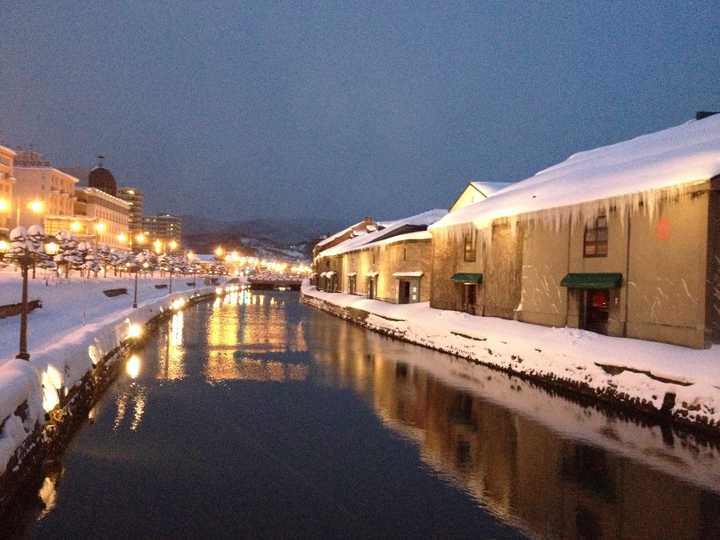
75	327
645	370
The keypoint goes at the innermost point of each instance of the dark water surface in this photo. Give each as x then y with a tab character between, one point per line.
260	417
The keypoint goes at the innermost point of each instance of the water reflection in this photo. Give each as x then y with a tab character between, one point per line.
264	455
552	467
234	334
171	361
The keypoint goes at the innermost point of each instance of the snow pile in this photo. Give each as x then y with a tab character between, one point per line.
638	369
673	157
75	328
392	228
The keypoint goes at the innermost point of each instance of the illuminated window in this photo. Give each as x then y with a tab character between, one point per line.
596	238
470	252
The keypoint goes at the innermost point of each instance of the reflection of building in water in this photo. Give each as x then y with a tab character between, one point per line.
260	325
528	474
222	338
171	355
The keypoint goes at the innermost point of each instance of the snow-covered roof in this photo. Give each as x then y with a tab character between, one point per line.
340	233
679	155
393	229
489	188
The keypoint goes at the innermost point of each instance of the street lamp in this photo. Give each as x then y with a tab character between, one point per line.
26	243
75	226
219	251
173	245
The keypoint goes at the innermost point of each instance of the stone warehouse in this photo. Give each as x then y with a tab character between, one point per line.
391	263
622	240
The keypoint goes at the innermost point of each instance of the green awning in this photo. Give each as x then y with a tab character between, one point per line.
467	278
608	280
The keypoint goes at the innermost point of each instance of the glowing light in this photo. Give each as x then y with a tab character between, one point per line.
132	366
134	331
4	205
52	248
178	304
219	290
146	265
219	251
140	238
173	245
100	227
75	226
94	354
51	380
122	238
36	206
4	246
190	255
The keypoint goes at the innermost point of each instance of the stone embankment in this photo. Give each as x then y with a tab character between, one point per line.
68	407
582	367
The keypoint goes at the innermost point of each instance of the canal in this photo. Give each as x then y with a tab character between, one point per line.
256	416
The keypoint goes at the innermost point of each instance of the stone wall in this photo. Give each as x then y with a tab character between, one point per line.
503	276
385	260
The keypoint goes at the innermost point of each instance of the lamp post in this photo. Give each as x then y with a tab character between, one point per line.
25	243
190	257
137	268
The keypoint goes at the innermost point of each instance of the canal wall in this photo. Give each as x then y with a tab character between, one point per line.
564	364
45	401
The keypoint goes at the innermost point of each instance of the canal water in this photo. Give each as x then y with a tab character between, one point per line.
256	416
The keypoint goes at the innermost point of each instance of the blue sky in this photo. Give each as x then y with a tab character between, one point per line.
343	109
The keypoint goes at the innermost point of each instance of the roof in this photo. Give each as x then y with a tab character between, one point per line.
393	229
489	188
338	234
672	157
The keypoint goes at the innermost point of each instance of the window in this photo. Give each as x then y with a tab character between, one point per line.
596	238
404	254
470	253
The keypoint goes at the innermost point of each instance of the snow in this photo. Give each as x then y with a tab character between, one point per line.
490	188
566	353
75	327
386	234
344	231
678	156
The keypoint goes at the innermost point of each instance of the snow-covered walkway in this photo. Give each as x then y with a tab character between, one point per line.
75	327
643	370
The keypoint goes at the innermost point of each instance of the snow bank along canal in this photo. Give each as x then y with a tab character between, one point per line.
256	416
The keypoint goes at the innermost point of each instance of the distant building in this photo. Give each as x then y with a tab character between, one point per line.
7	180
365	226
102	216
102	179
392	263
136	198
42	193
163	227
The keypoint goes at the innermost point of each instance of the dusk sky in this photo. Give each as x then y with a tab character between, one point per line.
342	109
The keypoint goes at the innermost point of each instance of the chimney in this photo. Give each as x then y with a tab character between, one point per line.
699	115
